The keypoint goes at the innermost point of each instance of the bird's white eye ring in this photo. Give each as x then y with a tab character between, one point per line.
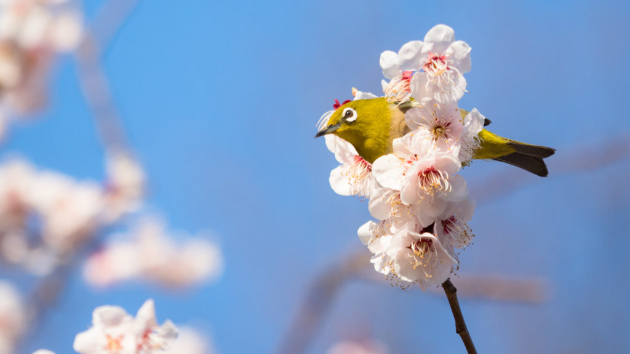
349	115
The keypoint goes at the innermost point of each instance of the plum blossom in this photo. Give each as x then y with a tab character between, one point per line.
437	127
69	210
114	331
397	89
452	225
443	61
149	252
45	215
408	253
32	33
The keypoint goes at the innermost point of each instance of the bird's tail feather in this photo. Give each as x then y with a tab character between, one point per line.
532	150
535	165
528	157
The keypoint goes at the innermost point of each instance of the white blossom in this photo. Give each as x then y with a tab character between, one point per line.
67	213
436	127
32	33
397	89
149	252
443	61
70	210
114	331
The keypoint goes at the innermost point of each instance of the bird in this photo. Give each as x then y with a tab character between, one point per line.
371	125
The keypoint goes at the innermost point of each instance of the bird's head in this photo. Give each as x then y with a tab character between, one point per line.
363	123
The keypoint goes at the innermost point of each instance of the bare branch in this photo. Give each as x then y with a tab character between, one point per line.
460	324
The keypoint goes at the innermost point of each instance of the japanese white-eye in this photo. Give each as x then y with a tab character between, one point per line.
371	125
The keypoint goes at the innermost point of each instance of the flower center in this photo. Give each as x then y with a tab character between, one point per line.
436	65
398	90
421	247
459	230
113	344
358	172
441	130
431	180
423	255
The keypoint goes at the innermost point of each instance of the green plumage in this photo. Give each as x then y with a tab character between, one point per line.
378	123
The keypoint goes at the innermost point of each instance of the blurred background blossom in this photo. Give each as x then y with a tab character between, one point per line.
130	109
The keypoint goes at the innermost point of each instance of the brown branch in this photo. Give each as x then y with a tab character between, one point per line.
460	324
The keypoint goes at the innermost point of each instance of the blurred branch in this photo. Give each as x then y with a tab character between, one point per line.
318	300
583	158
46	294
109	19
330	281
94	83
460	324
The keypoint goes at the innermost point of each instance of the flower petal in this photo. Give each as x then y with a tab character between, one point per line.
418	87
339	180
388	171
459	189
440	35
449	92
365	232
364	96
109	316
458	53
410	56
389	64
473	122
145	318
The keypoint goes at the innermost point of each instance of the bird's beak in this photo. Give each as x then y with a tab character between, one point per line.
329	129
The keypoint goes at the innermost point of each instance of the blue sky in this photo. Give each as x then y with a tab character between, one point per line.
220	100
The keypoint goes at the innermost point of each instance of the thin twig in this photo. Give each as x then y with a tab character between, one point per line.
460	324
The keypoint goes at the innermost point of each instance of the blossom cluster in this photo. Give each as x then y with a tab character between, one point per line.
416	192
32	32
115	331
149	252
61	211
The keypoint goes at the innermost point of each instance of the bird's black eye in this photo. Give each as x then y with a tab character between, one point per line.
349	115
